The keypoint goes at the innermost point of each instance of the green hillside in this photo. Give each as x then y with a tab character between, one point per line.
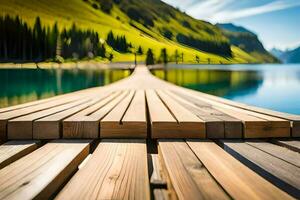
146	23
247	41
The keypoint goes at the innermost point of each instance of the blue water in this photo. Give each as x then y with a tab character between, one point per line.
271	86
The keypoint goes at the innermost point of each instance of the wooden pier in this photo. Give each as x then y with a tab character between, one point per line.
144	138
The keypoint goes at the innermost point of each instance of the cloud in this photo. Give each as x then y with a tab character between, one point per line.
225	16
228	10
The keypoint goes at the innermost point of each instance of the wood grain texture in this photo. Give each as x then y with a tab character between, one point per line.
50	127
116	170
39	174
291	144
277	151
188	177
22	127
86	124
128	115
256	125
157	178
239	181
176	123
218	124
14	150
281	173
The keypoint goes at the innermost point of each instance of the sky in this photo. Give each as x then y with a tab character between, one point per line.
276	22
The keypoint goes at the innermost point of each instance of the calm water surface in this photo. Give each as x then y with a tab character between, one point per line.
24	85
276	87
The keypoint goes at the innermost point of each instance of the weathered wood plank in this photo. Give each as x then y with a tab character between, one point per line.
233	127
291	144
50	127
86	124
188	177
157	179
170	120
161	194
294	119
13	150
39	174
116	170
277	151
22	127
239	181
256	125
128	115
283	174
4	117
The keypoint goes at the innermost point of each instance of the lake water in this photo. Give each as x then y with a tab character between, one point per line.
23	85
276	87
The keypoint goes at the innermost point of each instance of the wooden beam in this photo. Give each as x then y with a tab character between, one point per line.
239	181
14	150
40	174
128	115
187	175
116	170
284	175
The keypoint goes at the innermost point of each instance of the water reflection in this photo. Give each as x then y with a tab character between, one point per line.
271	86
216	82
23	85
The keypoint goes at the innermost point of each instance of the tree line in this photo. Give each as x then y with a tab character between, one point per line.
20	42
165	58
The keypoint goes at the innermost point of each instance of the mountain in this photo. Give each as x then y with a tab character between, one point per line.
277	52
247	41
146	23
288	56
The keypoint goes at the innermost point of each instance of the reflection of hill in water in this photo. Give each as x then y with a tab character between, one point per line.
216	82
23	85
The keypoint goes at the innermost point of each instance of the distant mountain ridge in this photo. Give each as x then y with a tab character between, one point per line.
288	56
146	23
247	41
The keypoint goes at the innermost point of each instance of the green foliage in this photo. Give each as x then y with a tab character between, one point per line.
21	43
81	12
150	57
164	56
140	50
221	48
118	43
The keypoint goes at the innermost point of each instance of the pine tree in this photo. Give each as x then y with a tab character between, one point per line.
140	50
164	55
150	57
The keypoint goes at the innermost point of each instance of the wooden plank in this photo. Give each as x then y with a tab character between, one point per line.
22	127
283	174
291	144
233	127
4	117
161	194
86	124
187	176
128	115
177	123
40	174
294	119
256	125
116	170
239	181
157	180
14	150
50	127
277	151
218	124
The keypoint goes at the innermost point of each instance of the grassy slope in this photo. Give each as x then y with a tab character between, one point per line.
65	12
